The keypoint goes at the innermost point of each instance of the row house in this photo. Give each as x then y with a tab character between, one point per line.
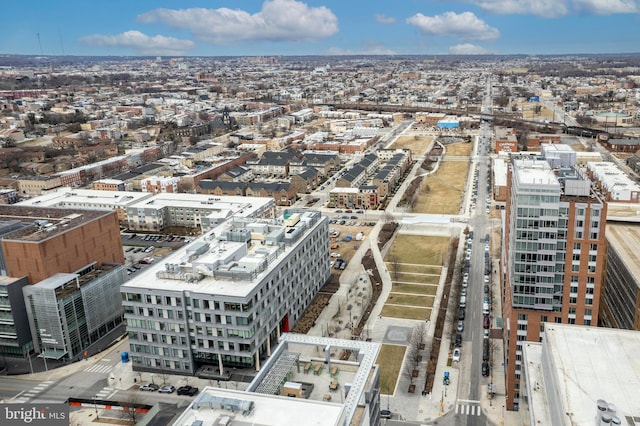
108	185
274	167
37	185
273	163
306	181
8	196
237	174
156	184
353	177
283	193
221	187
364	197
613	182
622	145
387	154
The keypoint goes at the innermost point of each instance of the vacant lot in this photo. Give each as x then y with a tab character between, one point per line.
442	191
390	360
417	144
528	110
459	149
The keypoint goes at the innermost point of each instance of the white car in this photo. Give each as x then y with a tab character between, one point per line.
334	254
486	279
456	355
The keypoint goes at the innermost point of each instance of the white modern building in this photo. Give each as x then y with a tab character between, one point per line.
291	390
225	298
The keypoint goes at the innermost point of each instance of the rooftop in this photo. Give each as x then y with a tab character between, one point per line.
302	363
231	259
578	366
44	222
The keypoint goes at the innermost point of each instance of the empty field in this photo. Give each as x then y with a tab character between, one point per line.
417	144
418	269
459	149
442	191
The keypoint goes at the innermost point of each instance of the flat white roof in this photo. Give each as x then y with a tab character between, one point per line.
586	364
267	410
86	197
534	172
218	254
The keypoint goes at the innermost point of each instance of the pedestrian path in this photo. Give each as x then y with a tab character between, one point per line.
99	368
106	393
26	396
470	408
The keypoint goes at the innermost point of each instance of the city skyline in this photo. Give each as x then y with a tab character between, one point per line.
325	27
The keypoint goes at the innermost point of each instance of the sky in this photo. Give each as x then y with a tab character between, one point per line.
318	27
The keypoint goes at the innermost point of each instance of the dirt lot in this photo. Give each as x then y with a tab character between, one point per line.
459	149
417	144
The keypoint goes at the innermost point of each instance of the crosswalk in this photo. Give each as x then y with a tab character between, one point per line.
469	408
106	393
99	368
27	395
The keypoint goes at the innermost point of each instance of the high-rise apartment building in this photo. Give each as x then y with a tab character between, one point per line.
553	256
223	300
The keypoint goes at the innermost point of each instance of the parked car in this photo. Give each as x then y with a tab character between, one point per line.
460	326
187	390
461	313
167	389
485	368
456	355
486	322
485	352
385	414
458	340
151	387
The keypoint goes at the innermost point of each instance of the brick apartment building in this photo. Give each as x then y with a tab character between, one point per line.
553	257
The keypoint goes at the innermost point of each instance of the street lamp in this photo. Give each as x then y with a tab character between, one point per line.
95	407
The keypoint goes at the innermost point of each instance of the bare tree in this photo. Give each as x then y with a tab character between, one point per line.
130	409
418	335
409	364
394	262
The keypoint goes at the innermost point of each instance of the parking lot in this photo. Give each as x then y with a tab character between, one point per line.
346	232
143	249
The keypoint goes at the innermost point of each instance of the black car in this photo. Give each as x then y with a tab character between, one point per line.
187	390
458	340
485	368
485	351
461	313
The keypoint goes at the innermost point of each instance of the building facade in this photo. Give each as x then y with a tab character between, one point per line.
225	299
553	258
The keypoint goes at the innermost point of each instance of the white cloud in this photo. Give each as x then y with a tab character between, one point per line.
463	25
468	49
141	43
384	19
279	20
544	8
607	7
